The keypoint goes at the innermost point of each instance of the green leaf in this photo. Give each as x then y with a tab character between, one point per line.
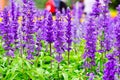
35	75
13	76
47	58
65	75
1	69
28	64
74	78
8	75
30	75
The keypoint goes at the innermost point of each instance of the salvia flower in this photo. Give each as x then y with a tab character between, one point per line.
105	27
38	33
90	48
77	29
59	38
69	30
68	33
110	68
44	26
23	28
117	38
7	33
96	9
14	21
30	43
50	29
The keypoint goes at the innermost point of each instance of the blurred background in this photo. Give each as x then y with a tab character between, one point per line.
41	3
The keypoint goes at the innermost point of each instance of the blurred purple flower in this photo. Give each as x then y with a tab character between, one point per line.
110	68
90	49
69	30
59	37
50	29
7	33
28	16
91	76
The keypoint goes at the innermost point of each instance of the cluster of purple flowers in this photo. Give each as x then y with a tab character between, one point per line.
29	39
7	33
24	28
99	23
117	40
112	30
90	48
110	68
60	37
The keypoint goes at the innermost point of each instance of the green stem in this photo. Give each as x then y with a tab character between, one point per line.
21	52
75	48
8	60
86	73
58	71
68	57
37	59
51	53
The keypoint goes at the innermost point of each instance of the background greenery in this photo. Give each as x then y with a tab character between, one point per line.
114	4
41	3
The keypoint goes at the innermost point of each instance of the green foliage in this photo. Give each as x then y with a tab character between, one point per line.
19	68
40	3
114	4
